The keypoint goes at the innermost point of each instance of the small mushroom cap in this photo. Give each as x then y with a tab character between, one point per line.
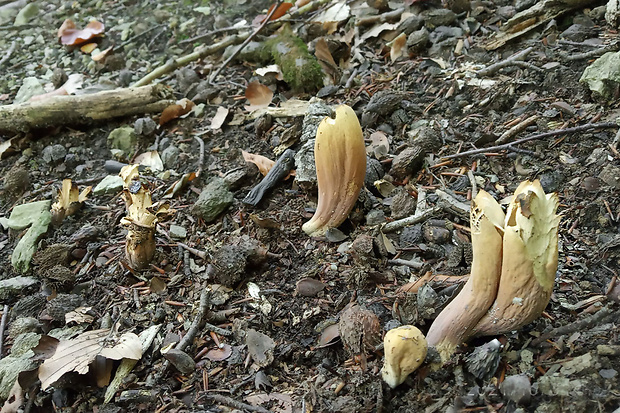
405	350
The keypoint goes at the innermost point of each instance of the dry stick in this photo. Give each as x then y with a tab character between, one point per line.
230	402
604	315
5	316
414	219
245	43
205	51
612	47
581	128
489	70
381	18
516	129
8	54
201	157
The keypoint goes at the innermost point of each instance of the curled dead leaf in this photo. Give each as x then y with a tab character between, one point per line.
258	95
174	111
219	118
71	36
263	163
220	353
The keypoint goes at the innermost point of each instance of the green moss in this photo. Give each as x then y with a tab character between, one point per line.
300	69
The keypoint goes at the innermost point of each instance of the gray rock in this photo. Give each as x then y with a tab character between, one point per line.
577	33
144	126
26	14
403	204
603	75
517	388
305	174
54	154
608	373
611	176
418	39
213	200
111	184
438	17
177	231
170	155
375	217
13	287
181	361
30	87
123	139
411	24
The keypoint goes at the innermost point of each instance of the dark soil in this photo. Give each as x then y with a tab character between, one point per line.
308	370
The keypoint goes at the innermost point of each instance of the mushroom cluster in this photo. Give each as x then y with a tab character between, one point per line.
515	258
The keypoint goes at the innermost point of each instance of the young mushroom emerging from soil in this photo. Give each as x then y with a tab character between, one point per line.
405	350
340	158
141	220
515	259
69	201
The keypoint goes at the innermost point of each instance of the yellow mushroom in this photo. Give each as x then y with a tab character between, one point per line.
340	158
405	350
530	261
455	324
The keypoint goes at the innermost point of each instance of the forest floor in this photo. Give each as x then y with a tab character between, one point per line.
271	296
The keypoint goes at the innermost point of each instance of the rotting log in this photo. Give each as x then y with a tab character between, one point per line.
83	109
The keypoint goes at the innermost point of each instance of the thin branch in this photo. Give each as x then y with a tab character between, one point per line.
235	404
612	47
245	43
489	70
8	54
414	219
519	127
581	128
5	316
201	156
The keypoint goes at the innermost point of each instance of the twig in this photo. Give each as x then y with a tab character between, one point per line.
8	54
612	47
5	316
408	263
581	128
194	251
202	312
580	44
414	219
200	53
581	325
201	156
230	402
489	70
245	43
512	132
381	18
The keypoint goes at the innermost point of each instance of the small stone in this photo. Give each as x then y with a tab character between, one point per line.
144	126
403	204
30	87
375	217
26	14
16	181
608	373
213	200
411	236
517	388
123	139
170	155
484	360
111	184
418	39
611	176
442	33
54	154
260	347
309	287
438	17
178	232
13	287
181	361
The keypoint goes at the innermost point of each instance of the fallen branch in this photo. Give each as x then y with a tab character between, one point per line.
245	43
8	54
510	61
414	219
5	316
581	128
602	316
519	127
83	109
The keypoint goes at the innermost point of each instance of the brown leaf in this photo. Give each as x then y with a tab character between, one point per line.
280	11
379	145
88	48
102	55
258	95
329	336
264	164
176	187
399	47
176	110
309	287
220	353
70	36
78	353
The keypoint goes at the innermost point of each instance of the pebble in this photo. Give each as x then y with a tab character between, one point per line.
177	231
517	388
608	373
375	217
111	184
53	154
213	200
13	287
170	155
611	176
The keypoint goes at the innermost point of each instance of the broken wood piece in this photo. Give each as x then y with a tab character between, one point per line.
280	169
83	109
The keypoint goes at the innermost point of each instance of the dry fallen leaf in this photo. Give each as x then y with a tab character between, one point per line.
379	145
150	159
78	353
260	347
70	36
258	95
280	11
174	111
176	187
399	47
329	336
220	353
102	55
219	118
264	164
88	48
